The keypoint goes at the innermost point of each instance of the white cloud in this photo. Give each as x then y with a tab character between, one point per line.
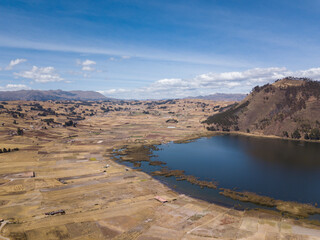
88	62
87	68
113	91
15	62
41	74
14	87
211	83
87	65
120	58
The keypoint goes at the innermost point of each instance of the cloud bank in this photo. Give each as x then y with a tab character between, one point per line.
41	74
14	87
209	83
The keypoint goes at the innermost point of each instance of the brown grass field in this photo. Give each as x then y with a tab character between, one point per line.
70	174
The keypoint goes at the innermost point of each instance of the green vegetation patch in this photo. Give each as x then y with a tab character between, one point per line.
180	176
136	153
292	209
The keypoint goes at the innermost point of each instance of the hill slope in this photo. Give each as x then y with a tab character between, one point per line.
39	95
290	107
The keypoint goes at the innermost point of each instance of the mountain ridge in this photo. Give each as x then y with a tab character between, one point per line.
45	95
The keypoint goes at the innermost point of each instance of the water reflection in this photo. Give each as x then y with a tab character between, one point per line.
286	170
282	153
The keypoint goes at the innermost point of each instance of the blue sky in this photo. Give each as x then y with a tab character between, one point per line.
156	49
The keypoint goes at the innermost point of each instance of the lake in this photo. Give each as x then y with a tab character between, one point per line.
281	169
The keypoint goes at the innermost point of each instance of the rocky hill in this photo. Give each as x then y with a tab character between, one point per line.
290	108
39	95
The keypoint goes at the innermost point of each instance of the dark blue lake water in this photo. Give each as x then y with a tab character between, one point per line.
285	170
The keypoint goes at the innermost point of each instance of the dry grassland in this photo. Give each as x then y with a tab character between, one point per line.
111	202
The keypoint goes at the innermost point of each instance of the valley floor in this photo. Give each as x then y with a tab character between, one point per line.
114	202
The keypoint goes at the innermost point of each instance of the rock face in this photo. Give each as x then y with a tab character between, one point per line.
290	107
38	95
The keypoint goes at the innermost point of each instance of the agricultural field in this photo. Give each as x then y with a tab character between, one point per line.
59	179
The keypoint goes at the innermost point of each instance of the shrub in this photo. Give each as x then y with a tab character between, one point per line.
225	129
296	134
212	128
172	121
314	134
20	132
70	123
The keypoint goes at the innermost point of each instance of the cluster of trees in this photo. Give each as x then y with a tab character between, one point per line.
43	112
313	134
106	109
267	88
296	134
296	96
48	120
224	129
228	118
16	114
70	123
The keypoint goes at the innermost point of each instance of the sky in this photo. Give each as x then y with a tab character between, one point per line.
153	49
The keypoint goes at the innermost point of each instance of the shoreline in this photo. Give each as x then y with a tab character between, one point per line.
105	199
305	210
265	136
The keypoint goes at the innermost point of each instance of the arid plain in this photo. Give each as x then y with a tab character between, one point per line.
70	168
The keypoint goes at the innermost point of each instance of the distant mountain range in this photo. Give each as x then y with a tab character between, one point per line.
45	95
39	95
290	107
222	97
